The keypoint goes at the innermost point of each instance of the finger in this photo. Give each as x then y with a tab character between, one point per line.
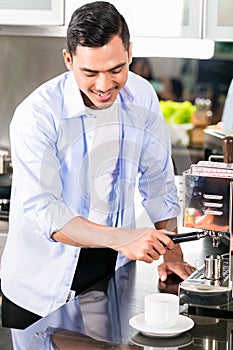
190	269
183	270
162	272
187	270
175	267
164	239
159	248
147	258
154	254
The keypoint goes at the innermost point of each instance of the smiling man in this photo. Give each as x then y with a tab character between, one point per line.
100	73
79	143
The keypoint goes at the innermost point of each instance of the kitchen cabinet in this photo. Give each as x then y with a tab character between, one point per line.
152	18
219	20
156	18
193	19
164	28
152	24
27	12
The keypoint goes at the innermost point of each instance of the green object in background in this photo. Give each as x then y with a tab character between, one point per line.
177	112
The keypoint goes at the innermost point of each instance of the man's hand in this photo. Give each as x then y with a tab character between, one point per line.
180	268
148	247
173	260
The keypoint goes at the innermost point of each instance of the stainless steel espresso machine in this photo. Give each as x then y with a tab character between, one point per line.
208	206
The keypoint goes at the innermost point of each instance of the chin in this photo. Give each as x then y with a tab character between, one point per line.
102	105
91	101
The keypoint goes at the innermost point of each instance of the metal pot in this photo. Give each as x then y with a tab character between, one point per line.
5	186
4	161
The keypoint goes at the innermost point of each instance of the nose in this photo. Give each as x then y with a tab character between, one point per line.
103	82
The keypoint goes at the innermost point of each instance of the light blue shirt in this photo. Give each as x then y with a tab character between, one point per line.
50	183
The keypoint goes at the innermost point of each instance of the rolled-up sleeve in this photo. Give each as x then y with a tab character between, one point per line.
37	170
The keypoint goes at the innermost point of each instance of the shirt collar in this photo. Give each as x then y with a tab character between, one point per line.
125	94
73	101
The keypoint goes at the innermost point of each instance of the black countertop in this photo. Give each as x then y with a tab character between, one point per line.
99	319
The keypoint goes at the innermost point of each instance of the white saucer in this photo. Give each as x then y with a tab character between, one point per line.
138	322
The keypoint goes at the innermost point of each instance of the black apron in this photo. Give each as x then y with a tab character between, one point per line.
94	265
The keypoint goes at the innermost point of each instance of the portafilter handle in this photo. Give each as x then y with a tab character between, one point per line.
187	237
227	149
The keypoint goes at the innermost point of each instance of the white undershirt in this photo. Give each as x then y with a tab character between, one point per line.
102	135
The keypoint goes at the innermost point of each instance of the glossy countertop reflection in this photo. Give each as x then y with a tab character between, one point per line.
99	318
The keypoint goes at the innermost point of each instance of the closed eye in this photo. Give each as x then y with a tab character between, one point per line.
90	74
116	70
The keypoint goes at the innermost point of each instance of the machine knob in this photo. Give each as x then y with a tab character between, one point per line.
227	149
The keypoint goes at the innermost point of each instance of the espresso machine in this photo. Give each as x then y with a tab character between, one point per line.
208	206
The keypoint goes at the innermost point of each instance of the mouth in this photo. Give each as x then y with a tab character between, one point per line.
103	96
106	94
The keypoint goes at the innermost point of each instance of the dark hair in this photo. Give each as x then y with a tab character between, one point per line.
94	25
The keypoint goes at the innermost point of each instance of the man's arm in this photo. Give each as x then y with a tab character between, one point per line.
146	244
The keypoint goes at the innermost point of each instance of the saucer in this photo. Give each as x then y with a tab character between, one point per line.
138	322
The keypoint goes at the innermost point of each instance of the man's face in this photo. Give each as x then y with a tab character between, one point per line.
100	72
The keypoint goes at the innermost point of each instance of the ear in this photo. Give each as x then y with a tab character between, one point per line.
130	52
67	59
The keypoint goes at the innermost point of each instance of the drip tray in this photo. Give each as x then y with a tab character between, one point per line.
198	291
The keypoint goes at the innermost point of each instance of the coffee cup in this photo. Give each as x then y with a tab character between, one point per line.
161	310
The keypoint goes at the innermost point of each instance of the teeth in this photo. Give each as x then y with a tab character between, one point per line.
101	95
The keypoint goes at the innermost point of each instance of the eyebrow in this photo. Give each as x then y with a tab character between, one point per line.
84	69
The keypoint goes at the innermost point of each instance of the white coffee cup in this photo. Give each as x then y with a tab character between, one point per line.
161	310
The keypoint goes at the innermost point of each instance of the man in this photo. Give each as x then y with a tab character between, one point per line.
78	143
